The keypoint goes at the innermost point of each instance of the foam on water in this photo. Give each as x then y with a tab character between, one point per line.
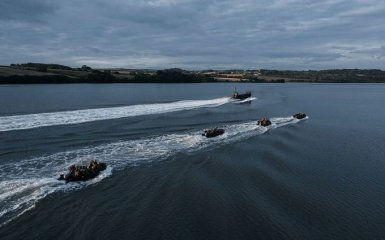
244	100
28	121
25	182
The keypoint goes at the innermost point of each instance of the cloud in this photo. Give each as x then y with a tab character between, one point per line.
194	34
25	10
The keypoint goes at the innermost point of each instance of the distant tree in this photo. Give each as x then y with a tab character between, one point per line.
86	68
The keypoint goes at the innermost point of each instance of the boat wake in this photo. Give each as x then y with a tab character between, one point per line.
249	99
28	121
24	183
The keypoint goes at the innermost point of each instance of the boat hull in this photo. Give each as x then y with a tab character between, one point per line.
241	96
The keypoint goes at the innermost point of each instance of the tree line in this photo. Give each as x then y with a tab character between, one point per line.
333	75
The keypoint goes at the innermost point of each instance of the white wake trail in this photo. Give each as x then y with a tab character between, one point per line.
24	183
28	121
249	99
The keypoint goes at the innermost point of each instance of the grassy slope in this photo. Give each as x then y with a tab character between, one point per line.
6	71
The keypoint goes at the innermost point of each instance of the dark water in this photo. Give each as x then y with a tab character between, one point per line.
321	178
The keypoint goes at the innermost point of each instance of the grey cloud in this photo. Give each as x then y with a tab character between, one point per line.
377	52
25	10
293	34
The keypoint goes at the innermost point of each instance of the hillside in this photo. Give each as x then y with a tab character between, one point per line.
32	73
332	76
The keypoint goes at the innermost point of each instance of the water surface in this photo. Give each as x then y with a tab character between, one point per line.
313	179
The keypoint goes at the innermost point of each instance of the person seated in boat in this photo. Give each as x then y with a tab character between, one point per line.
71	169
93	165
264	122
77	172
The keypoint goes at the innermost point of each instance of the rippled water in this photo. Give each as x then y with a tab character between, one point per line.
321	177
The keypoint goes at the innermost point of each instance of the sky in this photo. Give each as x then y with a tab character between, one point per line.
195	34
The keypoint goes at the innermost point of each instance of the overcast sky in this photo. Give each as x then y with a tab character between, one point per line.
195	34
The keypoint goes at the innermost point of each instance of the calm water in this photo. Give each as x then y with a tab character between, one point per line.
320	178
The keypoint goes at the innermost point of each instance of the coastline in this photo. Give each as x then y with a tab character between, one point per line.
37	73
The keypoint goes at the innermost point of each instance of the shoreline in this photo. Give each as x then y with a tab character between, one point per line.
37	73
